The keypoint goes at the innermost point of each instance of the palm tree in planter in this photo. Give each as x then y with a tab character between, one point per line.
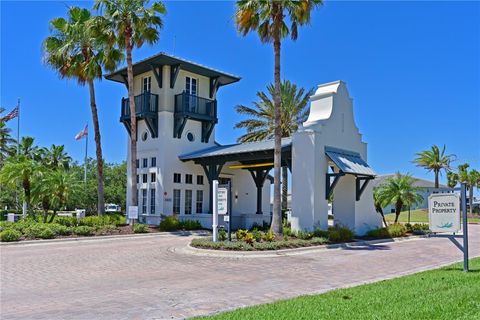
133	24
79	48
269	18
398	191
434	160
260	125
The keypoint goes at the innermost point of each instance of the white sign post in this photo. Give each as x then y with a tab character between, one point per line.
444	212
215	210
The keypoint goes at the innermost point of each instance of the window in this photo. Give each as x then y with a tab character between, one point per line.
191	90
152	201
144	178
153	162
200	179
147	84
138	178
145	136
188	201
188	178
177	178
153	177
144	200
199	203
176	201
138	163
145	163
190	137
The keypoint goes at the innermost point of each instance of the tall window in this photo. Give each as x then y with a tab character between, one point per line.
144	178
188	179
147	84
138	178
144	200
199	179
176	201
138	163
199	201
153	177
191	89
177	178
145	163
188	201
152	201
153	162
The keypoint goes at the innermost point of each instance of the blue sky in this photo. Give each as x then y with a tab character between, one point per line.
412	68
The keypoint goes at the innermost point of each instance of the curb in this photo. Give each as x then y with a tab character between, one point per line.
289	252
106	238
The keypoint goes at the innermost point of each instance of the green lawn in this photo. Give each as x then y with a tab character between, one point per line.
446	293
416	216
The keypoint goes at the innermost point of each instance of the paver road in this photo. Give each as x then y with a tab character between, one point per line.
154	278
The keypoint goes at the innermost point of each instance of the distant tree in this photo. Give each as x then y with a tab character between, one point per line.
398	191
79	47
377	201
434	160
471	179
133	24
260	125
6	141
269	19
452	179
56	157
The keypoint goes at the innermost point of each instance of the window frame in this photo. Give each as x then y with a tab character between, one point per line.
188	201
177	197
188	178
200	179
177	175
152	200
199	202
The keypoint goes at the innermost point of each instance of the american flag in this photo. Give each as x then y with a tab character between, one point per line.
11	115
82	133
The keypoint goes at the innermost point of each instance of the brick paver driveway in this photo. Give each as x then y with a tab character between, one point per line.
152	278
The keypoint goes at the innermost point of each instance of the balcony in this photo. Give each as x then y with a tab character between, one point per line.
146	107
192	107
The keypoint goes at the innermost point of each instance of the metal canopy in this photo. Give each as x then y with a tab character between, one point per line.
160	59
349	162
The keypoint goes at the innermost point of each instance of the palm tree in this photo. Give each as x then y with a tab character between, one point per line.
78	49
434	160
377	201
262	117
269	19
133	24
471	179
24	169
398	191
56	157
6	141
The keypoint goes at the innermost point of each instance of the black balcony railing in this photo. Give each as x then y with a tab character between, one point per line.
195	107
146	104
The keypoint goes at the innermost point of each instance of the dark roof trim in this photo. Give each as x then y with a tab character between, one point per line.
162	58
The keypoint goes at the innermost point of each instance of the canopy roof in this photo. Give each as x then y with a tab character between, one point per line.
349	162
162	58
242	152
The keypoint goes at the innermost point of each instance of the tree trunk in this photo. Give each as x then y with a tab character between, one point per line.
98	147
133	125
436	178
398	209
284	188
53	216
276	225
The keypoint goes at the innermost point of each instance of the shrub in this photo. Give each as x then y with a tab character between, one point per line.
107	229
319	233
379	233
420	228
60	230
189	225
270	236
93	221
222	234
6	225
66	221
249	238
256	226
83	230
257	235
140	228
39	231
240	234
340	234
397	230
304	235
169	223
10	235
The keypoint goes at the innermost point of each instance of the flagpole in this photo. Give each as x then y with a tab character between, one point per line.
86	155
18	127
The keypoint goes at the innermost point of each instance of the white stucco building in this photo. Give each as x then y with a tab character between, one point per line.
178	157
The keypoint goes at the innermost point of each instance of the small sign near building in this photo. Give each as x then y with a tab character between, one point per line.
222	200
132	212
444	212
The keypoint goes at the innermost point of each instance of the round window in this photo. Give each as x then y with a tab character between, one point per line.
144	136
190	137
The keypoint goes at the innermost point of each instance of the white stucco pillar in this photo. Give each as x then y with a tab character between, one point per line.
344	202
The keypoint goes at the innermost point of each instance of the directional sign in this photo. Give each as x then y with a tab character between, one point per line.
444	212
222	202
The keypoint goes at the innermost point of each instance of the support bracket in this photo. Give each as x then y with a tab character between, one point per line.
214	85
174	69
329	186
158	74
125	80
360	187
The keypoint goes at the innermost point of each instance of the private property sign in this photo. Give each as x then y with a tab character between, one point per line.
444	212
222	202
